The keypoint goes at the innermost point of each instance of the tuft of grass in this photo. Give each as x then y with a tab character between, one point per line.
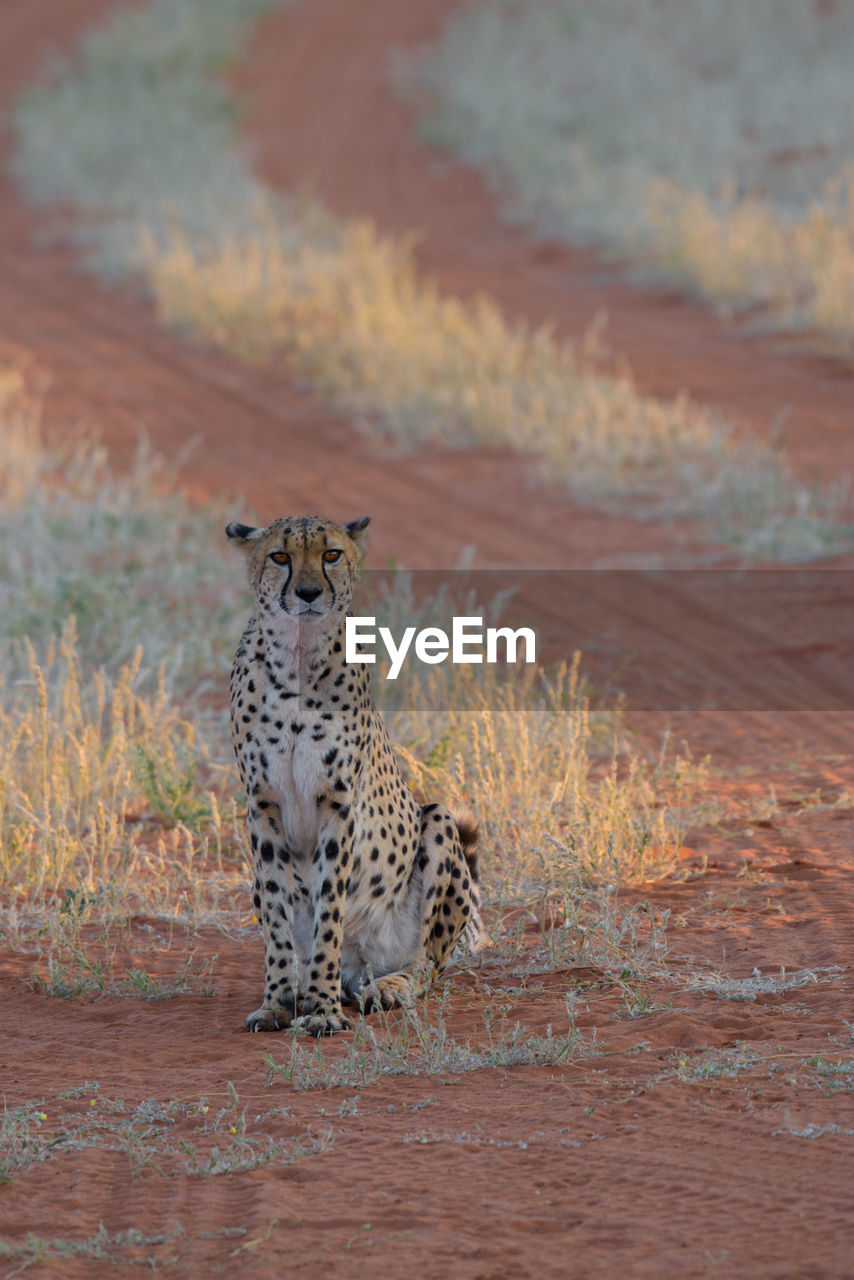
147	128
149	162
70	776
715	142
716	1063
416	1040
748	989
554	814
563	801
121	1247
583	926
21	1140
415	364
73	971
412	364
813	1131
245	1150
111	800
224	1142
798	268
129	556
831	1077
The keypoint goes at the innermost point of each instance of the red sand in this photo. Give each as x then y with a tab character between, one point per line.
612	1164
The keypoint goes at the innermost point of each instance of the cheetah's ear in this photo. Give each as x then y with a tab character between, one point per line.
356	530
243	535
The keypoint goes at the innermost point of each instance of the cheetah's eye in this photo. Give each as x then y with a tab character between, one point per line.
331	556
280	557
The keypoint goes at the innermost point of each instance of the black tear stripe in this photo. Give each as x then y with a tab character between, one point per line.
284	590
328	583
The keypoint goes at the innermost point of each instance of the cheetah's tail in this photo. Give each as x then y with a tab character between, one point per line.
474	936
467	825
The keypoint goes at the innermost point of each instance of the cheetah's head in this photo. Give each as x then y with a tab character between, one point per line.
302	568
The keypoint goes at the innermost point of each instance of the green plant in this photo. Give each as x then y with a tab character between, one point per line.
714	1063
747	989
70	971
205	1146
417	1041
21	1139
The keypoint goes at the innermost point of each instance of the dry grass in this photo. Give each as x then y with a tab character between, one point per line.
100	810
418	1041
128	555
412	364
161	189
136	128
799	269
170	1138
713	140
112	802
118	808
561	804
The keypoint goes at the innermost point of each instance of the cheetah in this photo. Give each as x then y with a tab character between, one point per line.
362	892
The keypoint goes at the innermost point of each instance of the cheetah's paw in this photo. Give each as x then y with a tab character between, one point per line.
269	1019
396	991
325	1024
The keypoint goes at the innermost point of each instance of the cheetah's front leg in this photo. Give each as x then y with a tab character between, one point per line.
321	985
273	899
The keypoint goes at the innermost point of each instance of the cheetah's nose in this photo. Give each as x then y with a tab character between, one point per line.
308	593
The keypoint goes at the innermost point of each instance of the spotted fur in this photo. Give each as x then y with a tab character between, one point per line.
362	893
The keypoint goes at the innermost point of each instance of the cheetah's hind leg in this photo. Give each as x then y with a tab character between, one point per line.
447	899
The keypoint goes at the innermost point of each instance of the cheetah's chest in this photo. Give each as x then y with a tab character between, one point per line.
296	777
